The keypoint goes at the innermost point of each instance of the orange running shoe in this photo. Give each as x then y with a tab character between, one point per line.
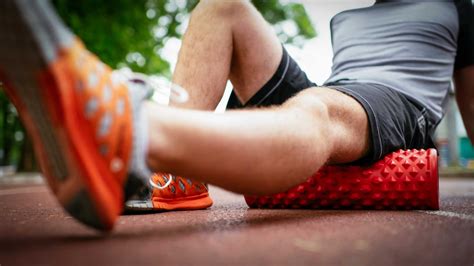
169	192
84	120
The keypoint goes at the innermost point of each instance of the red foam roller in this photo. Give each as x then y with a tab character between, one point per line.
406	179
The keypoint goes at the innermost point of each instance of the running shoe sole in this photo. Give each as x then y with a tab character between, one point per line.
153	203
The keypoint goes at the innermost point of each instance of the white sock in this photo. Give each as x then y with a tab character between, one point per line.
138	93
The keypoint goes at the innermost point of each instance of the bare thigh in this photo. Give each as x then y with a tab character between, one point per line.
257	54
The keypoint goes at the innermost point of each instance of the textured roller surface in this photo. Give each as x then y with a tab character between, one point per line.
406	179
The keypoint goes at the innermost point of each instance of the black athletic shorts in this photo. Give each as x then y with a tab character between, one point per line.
396	121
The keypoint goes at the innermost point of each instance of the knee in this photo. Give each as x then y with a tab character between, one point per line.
224	9
312	111
310	103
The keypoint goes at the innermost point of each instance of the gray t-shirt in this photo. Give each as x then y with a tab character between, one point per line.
408	46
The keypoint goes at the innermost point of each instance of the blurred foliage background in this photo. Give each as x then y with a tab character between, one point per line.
126	33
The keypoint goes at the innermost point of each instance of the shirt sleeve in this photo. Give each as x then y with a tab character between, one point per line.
465	51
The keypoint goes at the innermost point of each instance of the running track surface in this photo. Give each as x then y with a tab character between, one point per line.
34	230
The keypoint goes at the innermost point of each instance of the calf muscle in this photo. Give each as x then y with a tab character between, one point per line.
257	151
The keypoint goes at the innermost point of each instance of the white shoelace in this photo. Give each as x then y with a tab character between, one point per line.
175	93
153	184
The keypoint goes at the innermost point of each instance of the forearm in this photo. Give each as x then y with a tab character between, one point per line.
466	107
464	81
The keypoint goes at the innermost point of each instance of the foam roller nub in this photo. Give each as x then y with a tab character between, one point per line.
406	179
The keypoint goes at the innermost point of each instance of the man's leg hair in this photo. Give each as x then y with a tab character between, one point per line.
259	151
225	40
249	151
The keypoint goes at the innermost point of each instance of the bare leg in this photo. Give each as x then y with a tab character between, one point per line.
249	151
225	40
259	151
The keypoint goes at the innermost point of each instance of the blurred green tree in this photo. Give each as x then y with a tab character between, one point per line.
133	33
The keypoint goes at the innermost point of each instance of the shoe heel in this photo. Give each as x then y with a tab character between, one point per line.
82	208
